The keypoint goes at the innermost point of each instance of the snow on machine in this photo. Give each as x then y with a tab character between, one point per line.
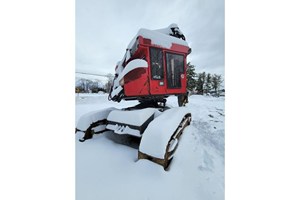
153	68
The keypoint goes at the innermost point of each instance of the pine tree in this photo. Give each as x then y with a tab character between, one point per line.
208	83
191	77
200	82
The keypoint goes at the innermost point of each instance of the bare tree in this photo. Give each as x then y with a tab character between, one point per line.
109	83
216	82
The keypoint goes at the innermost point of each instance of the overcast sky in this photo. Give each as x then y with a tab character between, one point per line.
105	28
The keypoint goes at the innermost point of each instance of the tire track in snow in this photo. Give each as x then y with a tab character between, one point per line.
209	137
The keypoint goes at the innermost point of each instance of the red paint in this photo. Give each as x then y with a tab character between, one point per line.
139	82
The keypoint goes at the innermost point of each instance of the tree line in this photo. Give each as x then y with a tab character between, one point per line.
202	83
199	83
88	86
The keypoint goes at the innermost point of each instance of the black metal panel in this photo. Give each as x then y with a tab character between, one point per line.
141	128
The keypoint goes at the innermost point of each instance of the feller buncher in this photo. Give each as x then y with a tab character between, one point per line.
153	68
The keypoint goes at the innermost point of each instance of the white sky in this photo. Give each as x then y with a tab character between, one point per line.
105	28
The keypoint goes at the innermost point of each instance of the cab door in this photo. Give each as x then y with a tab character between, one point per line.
157	72
176	80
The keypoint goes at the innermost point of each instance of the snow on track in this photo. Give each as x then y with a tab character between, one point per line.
106	169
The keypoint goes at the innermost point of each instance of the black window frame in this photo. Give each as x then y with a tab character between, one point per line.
180	70
159	61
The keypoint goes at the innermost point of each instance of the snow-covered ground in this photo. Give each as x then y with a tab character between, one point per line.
106	169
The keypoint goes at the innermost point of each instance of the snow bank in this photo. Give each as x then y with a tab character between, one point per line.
160	130
196	172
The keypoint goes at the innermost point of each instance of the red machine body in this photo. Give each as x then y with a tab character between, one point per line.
165	74
153	68
168	80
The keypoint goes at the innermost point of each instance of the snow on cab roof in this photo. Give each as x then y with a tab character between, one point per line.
160	37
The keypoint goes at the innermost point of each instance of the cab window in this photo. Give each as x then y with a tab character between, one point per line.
156	59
